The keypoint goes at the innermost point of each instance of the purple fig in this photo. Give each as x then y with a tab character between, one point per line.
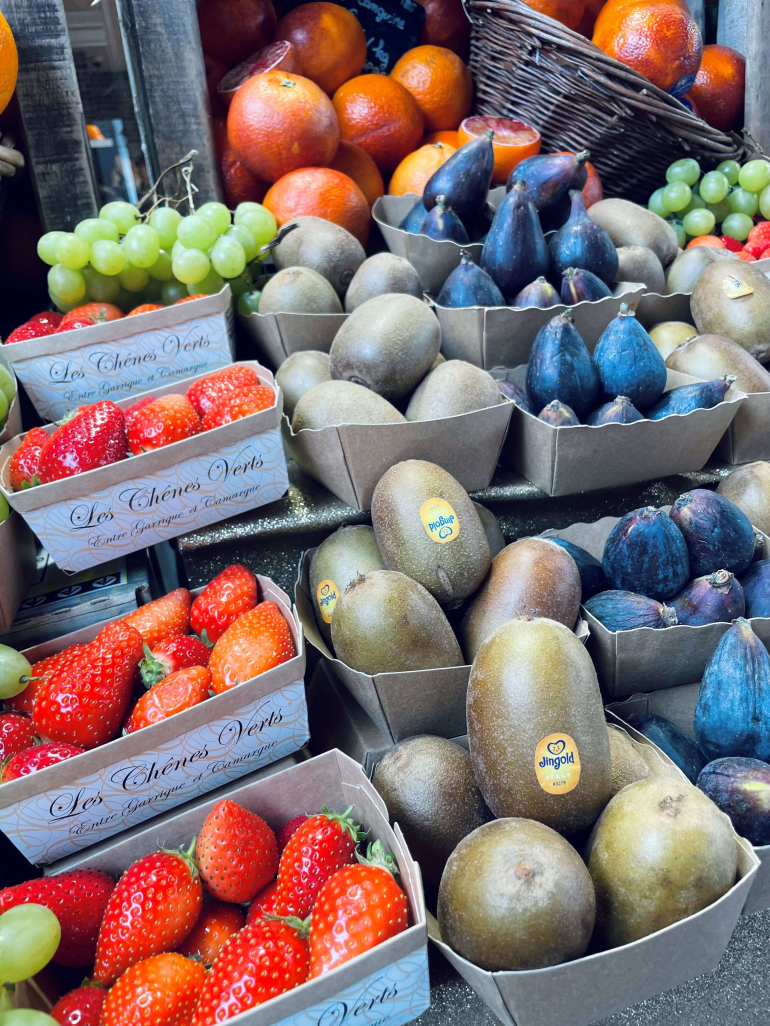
625	611
756	588
579	285
718	534
516	395
464	179
702	396
558	414
441	222
717	598
514	252
628	362
560	367
549	176
582	243
468	285
646	553
538	293
415	219
620	411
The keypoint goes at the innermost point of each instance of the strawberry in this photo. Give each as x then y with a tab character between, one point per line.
80	1007
145	308
217	923
236	853
94	436
23	465
732	244
85	703
40	672
239	404
208	391
78	900
179	691
262	961
39	326
287	830
357	908
16	734
153	908
38	757
189	299
323	845
160	991
48	318
746	257
256	642
263	904
222	601
90	313
175	653
131	411
164	618
161	422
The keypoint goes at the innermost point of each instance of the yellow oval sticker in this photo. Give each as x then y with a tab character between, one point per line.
557	764
439	520
326	596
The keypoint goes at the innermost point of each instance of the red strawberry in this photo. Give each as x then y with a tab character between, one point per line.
36	327
323	845
48	318
161	422
90	313
131	411
164	618
160	991
16	734
239	404
217	923
358	908
208	391
23	465
86	702
179	691
263	904
228	596
38	757
284	834
78	900
236	853
155	905
94	436
81	1007
25	701
257	641
173	654
262	961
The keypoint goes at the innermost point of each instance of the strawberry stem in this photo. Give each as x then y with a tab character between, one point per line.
152	670
187	855
377	856
302	926
205	639
346	823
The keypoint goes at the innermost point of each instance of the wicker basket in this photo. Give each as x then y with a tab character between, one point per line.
528	66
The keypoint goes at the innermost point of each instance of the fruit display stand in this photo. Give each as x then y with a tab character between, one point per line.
17	558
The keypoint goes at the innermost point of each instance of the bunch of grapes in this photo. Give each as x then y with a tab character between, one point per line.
124	258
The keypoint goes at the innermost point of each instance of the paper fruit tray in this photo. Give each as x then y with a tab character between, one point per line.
277	335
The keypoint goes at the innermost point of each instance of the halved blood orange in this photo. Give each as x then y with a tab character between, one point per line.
512	142
280	56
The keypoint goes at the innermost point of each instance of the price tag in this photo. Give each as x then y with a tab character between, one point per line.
734	288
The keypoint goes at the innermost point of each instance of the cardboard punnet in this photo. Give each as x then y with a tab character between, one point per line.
95	516
583	458
18	562
630	661
276	336
12	424
76	803
387	985
121	358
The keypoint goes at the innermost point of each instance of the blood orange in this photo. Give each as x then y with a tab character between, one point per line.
568	12
356	163
512	142
232	29
329	40
275	57
320	192
215	70
446	24
381	116
719	86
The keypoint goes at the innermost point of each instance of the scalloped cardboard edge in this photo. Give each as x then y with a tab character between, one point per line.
279	335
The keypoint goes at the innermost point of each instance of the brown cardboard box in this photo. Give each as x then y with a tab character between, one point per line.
17	560
81	801
276	336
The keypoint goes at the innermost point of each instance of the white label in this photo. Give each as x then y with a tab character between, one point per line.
82	532
125	367
58	822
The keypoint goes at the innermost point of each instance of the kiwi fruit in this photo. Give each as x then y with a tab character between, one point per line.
629	224
299	290
298	373
689	265
452	388
342	402
323	247
639	263
384	622
492	529
427	527
712	356
667	335
627	764
379	275
343	556
749	488
744	319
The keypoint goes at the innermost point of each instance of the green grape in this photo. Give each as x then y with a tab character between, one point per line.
6	1004
5	509
67	285
126	300
239	285
72	251
209	285
177	248
29	937
165	221
258	220
685	170
196	232
730	169
133	279
173	291
656	204
228	258
191	266
696	203
123	215
14	677
737	226
681	234
764	202
699	222
755	175
46	247
248	303
108	257
244	236
7	383
161	269
60	305
26	1017
677	195
217	215
714	187
3	409
741	201
142	245
95	228
719	210
102	288
153	291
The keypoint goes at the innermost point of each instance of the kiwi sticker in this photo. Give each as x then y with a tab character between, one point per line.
734	288
439	520
557	764
326	595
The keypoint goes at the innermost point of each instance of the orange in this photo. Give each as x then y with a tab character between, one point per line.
446	24
568	12
590	14
382	117
320	192
657	38
233	29
329	40
719	87
706	240
279	122
238	183
215	72
593	190
450	138
275	57
9	63
511	143
439	81
356	163
413	172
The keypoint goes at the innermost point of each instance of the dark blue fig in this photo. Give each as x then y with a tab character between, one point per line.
514	252
628	362
732	716
464	179
479	224
683	752
548	176
539	293
555	216
756	588
625	611
702	396
516	395
558	415
560	367
468	285
741	789
579	286
592	579
441	222
620	411
719	536
717	598
415	219
646	553
581	243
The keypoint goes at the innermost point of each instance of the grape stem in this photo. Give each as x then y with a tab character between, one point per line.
186	166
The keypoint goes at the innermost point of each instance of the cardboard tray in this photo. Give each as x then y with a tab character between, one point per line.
12	424
76	803
124	357
276	336
387	985
646	658
95	516
18	563
583	458
350	459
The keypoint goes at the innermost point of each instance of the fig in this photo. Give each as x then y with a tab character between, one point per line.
555	216
718	535
628	362
468	285
582	243
715	598
549	176
514	252
704	395
646	553
560	367
516	394
683	752
415	219
538	293
592	579
464	179
479	224
558	415
625	611
578	286
741	789
441	222
756	588
620	411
